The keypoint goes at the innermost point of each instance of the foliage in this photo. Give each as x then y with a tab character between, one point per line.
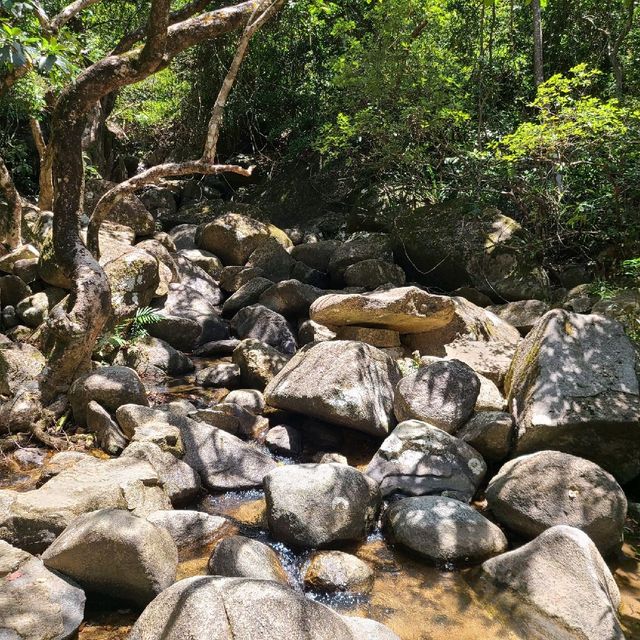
126	333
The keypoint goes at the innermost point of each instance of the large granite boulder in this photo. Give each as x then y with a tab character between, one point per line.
573	387
190	529
342	382
374	273
235	608
232	237
540	490
560	584
317	505
431	321
154	358
20	364
31	520
111	387
291	298
117	554
246	295
338	571
443	394
223	461
35	603
420	459
240	557
444	530
259	363
261	323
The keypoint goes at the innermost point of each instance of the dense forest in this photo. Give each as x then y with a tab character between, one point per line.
320	320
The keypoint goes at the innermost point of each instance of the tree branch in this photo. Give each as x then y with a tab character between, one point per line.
45	195
69	12
13	230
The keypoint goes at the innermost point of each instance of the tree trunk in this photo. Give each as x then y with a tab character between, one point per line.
13	227
538	61
45	196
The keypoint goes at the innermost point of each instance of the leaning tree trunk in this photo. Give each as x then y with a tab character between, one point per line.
45	181
13	227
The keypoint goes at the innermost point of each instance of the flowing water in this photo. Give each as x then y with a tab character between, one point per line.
418	601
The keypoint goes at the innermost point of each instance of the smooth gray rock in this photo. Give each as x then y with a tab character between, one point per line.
291	298
117	554
522	314
259	363
316	505
310	331
538	491
256	321
342	382
573	387
180	332
443	394
155	358
489	433
35	603
246	295
20	364
111	387
249	399
217	348
337	571
223	461
147	424
109	436
237	608
240	557
374	273
219	375
444	530
420	459
180	482
563	579
316	254
285	440
190	529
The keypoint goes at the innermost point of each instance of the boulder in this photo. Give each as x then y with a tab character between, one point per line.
249	399
489	433
374	273
538	491
438	320
284	440
108	435
33	310
243	608
35	603
180	482
223	461
240	557
23	252
185	302
13	290
133	278
364	247
489	359
382	338
246	295
184	236
265	325
154	358
317	505
208	262
234	277
190	529
573	387
337	571
220	375
259	363
490	398
117	554
522	314
357	394
444	530
561	583
232	418
31	520
316	255
310	331
111	387
232	237
443	394
146	424
420	459
217	348
20	364
291	298
272	259
196	278
180	332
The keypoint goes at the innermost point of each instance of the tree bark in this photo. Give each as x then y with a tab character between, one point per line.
538	60
45	195
13	227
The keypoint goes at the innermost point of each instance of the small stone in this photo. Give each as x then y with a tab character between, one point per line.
338	571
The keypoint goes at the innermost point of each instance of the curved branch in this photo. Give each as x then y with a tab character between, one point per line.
13	230
68	13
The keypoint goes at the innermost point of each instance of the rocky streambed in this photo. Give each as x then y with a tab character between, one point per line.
304	446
